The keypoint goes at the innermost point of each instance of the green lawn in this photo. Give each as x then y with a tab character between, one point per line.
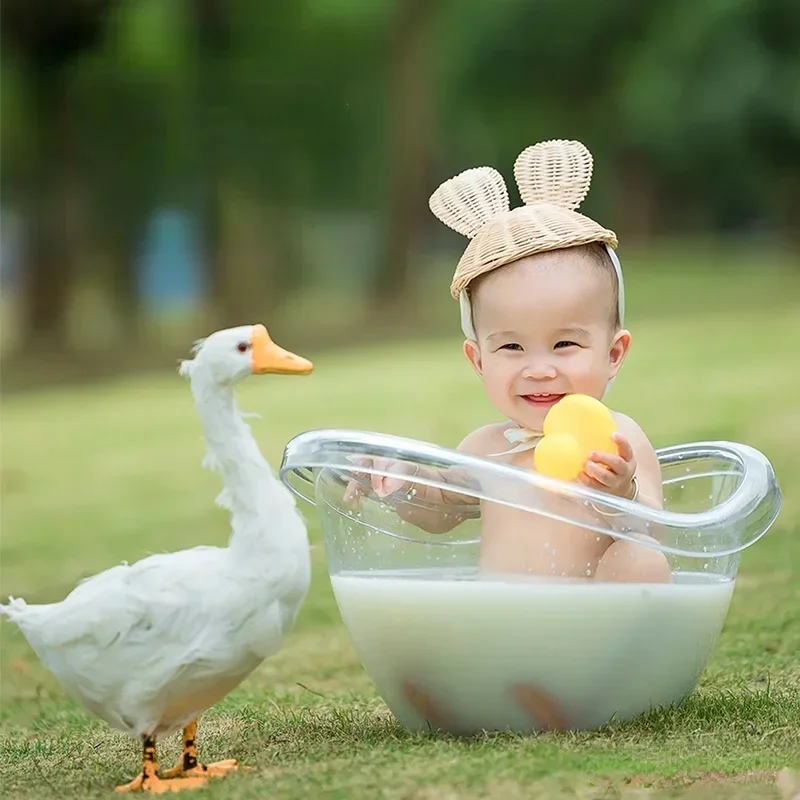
96	475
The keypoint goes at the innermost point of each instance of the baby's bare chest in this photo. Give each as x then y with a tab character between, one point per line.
550	542
518	541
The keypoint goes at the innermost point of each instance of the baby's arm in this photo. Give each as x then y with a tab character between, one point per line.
636	464
648	470
626	560
436	510
433	509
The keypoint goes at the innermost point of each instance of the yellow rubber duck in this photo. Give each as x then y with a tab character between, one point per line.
573	428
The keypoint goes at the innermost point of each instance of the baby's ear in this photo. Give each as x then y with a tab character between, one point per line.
468	201
557	172
618	352
473	354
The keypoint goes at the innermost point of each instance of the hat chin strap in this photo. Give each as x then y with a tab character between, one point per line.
466	310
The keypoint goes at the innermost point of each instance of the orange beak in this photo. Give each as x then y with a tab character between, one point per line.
267	357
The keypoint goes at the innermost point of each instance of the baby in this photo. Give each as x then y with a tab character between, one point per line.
542	306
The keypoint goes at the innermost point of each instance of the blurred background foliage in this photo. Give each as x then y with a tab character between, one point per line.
171	166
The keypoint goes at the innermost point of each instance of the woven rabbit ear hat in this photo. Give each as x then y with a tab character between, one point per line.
553	177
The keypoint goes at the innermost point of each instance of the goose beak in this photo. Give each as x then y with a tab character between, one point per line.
267	357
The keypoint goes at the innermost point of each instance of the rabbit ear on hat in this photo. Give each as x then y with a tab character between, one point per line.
553	178
557	173
468	201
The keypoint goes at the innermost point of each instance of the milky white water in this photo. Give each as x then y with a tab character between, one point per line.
598	650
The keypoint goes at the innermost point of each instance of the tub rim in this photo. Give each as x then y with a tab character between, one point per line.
756	499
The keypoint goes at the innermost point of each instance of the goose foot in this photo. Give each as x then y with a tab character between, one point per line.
148	781
190	767
155	785
215	770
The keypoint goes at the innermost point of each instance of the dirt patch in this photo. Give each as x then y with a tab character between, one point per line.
753	785
749	785
697	778
554	786
788	782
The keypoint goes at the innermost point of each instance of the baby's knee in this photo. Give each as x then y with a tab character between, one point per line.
628	562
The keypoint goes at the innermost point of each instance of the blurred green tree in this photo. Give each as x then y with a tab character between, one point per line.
264	120
46	40
411	138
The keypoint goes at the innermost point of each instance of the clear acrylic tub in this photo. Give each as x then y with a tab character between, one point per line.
453	641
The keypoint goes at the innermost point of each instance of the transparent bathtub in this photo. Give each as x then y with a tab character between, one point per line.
508	616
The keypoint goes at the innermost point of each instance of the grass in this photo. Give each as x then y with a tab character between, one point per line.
91	476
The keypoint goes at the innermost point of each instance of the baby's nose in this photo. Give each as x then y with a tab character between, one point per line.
539	370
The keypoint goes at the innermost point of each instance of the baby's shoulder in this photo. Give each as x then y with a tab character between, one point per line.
486	439
630	429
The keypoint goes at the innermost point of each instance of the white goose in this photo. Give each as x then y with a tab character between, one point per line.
150	646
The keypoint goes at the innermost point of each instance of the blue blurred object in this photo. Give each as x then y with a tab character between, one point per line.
171	272
12	251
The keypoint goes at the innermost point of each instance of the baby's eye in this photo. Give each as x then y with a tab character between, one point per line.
510	346
565	344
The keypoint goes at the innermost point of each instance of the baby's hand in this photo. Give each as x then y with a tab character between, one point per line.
381	485
610	472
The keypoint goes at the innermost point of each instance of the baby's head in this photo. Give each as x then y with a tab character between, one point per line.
545	326
540	287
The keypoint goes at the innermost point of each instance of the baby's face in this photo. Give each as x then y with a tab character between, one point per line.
545	328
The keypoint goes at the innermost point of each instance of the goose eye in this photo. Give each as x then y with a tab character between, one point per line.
243	347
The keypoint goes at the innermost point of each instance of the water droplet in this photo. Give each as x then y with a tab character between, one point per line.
588	572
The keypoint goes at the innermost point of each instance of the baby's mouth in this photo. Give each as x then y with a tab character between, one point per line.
541	399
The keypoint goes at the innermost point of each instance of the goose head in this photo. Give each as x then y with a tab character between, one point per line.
229	356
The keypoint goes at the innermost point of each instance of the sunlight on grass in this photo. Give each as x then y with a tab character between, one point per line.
93	476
